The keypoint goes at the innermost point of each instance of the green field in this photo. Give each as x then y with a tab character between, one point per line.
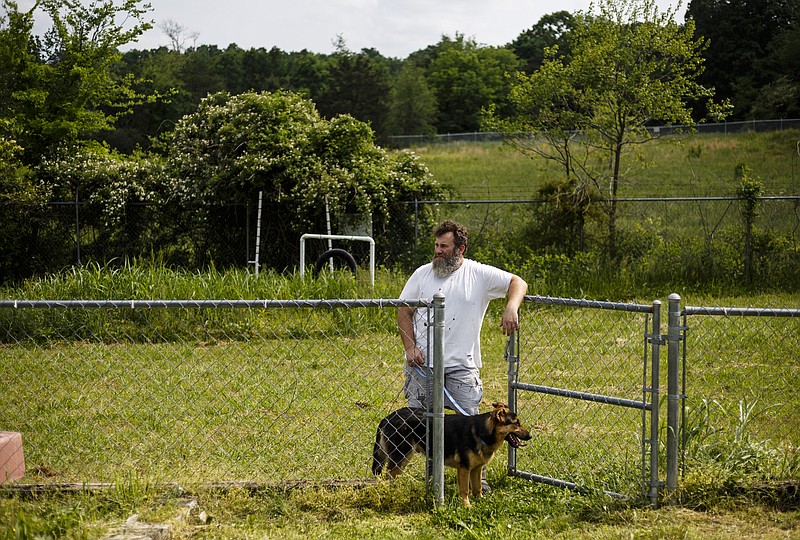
695	166
284	403
678	223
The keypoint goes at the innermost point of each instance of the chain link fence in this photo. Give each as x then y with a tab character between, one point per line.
198	391
749	126
276	392
583	377
702	235
740	376
588	378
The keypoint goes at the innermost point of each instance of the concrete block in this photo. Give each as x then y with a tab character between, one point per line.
12	460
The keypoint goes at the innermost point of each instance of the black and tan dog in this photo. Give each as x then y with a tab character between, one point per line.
469	442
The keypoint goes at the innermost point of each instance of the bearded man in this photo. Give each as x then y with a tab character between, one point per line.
468	287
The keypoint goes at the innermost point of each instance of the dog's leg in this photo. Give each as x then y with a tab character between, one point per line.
475	481
463	485
378	453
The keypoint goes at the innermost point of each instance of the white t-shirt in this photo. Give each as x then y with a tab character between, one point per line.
467	293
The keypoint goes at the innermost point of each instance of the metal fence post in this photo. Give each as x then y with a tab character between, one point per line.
437	413
77	227
673	392
654	398
512	357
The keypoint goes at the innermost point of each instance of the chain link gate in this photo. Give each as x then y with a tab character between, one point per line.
591	354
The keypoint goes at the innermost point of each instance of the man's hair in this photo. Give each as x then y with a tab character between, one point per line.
460	235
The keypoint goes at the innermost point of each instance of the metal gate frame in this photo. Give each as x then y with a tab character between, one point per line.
651	336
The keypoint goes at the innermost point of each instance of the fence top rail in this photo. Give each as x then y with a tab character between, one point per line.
486	201
617	199
741	312
596	304
253	304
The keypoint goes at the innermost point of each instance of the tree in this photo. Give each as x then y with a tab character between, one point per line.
306	74
779	96
413	106
266	70
740	36
358	85
19	64
551	31
157	72
465	78
58	93
628	66
201	72
178	35
62	90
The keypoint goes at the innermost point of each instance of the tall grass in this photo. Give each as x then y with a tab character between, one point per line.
723	464
150	282
145	280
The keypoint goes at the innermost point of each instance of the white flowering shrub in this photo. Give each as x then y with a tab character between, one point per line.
118	196
105	180
235	146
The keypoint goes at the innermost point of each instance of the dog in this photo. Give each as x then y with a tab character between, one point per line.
469	442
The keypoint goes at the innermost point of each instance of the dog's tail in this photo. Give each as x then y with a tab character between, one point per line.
379	455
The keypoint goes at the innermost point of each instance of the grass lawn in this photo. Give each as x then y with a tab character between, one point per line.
163	405
277	399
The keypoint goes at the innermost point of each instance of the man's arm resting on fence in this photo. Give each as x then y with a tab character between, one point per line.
516	294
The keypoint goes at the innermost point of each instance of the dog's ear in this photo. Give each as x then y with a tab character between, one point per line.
498	406
499	414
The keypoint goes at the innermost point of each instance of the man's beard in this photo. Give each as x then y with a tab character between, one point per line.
447	265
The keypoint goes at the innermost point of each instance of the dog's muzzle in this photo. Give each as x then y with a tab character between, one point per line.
514	441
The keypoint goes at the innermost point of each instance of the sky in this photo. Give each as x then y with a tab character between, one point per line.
395	28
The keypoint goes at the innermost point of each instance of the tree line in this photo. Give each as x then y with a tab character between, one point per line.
752	59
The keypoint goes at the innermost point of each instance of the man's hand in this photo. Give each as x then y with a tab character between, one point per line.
405	322
414	356
509	323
